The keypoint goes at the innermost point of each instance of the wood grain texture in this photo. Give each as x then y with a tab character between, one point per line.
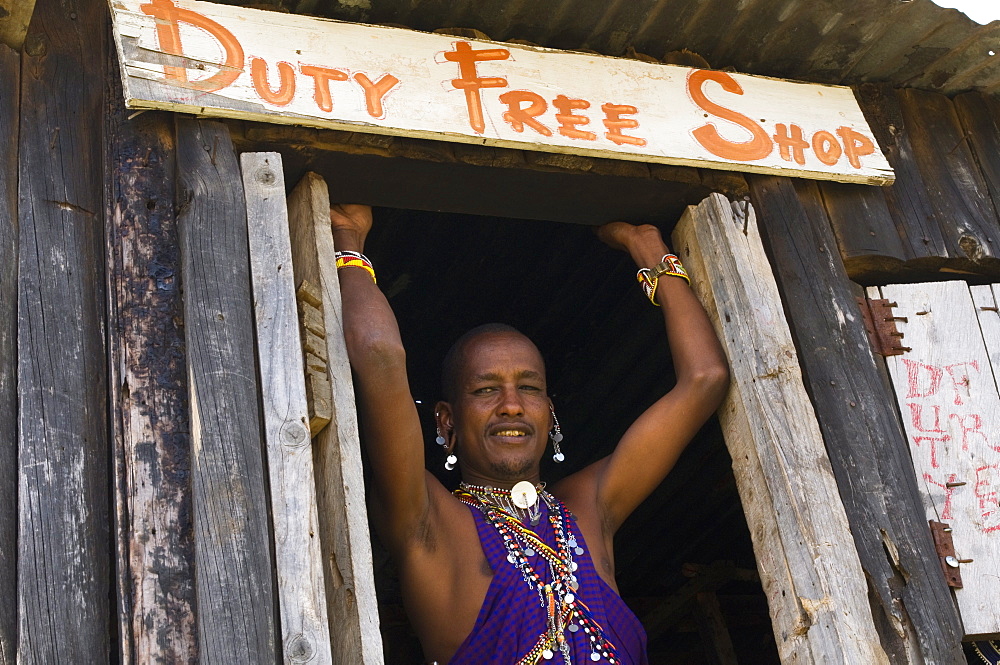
63	538
947	392
305	633
235	591
808	567
350	587
908	198
10	66
520	189
912	607
980	117
940	214
148	393
866	234
15	16
987	302
959	197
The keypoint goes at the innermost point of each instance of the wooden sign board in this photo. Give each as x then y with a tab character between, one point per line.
946	386
219	60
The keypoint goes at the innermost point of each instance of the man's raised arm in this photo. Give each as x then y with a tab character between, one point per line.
651	446
391	425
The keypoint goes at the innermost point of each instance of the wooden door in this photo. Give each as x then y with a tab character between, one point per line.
946	387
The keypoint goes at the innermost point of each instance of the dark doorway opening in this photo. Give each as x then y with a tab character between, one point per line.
684	560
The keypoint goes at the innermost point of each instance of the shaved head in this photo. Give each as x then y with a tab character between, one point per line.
451	369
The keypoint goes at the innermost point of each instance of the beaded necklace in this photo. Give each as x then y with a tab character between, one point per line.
563	610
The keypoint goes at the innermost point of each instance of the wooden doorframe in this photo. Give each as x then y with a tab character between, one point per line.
808	565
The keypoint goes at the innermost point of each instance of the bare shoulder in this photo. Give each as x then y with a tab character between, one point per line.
579	491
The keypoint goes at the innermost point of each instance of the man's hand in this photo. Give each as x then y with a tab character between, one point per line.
350	222
644	242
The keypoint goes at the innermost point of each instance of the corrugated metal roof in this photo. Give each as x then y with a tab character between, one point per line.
910	43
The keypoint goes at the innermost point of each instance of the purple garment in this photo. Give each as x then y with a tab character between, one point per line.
512	618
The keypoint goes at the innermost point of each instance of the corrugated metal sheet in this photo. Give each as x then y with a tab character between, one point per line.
911	43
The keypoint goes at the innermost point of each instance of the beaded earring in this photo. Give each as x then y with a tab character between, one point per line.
452	459
556	436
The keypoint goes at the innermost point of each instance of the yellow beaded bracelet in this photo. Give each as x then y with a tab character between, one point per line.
649	277
354	260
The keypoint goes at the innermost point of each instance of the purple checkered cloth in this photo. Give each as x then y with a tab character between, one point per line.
512	618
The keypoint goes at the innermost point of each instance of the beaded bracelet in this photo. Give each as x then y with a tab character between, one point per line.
649	277
348	259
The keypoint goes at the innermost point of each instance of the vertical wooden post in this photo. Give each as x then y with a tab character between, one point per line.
63	539
148	392
808	566
305	634
235	592
912	607
10	65
350	586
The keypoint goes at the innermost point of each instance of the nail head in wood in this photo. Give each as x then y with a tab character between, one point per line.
946	553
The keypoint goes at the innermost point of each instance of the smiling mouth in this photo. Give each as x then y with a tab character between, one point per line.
510	433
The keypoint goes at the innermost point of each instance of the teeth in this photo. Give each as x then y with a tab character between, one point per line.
510	432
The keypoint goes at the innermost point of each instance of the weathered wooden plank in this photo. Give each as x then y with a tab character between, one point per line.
343	520
908	198
987	301
235	593
504	191
305	633
808	568
148	393
912	607
15	15
867	237
980	117
10	66
63	539
947	393
958	193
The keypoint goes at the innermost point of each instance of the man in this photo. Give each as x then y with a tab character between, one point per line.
503	571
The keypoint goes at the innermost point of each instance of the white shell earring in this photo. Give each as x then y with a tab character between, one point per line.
556	435
452	459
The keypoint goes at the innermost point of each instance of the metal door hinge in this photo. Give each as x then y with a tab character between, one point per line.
880	324
946	553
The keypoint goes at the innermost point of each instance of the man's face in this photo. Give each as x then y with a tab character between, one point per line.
501	409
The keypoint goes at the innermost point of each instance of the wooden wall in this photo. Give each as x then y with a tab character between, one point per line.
150	426
95	343
10	65
912	605
940	218
90	244
64	562
938	221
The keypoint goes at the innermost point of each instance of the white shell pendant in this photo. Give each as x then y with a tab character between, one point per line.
523	495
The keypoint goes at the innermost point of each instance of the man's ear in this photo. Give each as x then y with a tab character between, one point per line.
445	422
